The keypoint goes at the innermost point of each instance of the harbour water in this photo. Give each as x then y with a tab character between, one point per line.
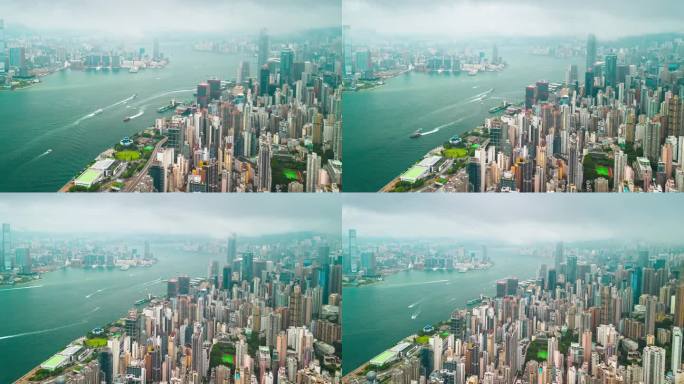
52	130
378	122
380	315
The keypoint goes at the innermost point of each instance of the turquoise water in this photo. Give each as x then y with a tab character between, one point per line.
54	115
378	122
40	318
378	316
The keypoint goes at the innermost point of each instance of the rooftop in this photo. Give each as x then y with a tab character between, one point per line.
414	173
383	358
88	177
54	362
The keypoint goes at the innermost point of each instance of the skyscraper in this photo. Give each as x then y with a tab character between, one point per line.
611	70
286	66
6	246
264	164
676	349
591	51
262	58
313	167
654	365
231	249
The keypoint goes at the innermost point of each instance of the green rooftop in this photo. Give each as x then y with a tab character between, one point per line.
54	362
383	358
88	177
413	173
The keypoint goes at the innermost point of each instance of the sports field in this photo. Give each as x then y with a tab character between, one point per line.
127	155
290	174
455	153
602	170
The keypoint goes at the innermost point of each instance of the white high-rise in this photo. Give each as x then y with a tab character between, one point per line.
313	168
676	349
654	365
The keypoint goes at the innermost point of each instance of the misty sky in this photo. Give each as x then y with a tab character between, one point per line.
173	214
517	218
136	18
462	19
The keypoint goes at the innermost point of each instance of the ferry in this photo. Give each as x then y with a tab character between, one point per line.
472	72
169	107
500	107
133	70
417	134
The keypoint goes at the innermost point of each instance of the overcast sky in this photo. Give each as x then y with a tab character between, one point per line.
517	218
137	18
172	214
461	19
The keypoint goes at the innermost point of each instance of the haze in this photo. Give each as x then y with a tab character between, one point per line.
464	19
175	214
516	219
132	18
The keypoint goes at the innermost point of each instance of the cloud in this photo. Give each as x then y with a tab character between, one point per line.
139	18
172	214
515	218
464	19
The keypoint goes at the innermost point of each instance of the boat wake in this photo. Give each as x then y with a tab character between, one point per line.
414	304
479	96
42	330
438	128
140	113
165	94
20	288
94	310
414	284
152	282
415	315
88	296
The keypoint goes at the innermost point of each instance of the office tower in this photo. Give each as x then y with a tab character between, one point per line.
203	95
437	344
157	172
172	288
23	260
571	269
676	349
214	89
17	57
591	51
231	249
313	168
227	277
6	247
558	260
542	91
286	66
247	266
262	57
243	72
611	70
264	80
264	178
530	92
183	285
475	183
105	360
654	365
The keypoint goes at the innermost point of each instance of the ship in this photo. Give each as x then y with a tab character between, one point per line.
127	119
501	107
133	70
474	302
418	133
168	107
125	267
